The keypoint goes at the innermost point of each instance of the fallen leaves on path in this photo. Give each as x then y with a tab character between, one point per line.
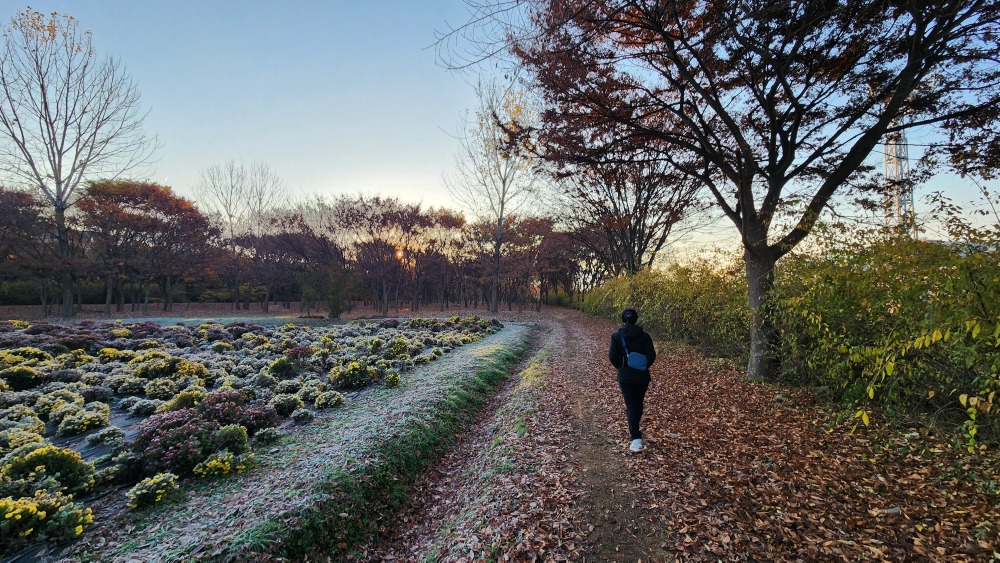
734	470
743	469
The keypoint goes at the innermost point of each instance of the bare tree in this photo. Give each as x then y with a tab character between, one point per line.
242	198
65	115
633	204
494	176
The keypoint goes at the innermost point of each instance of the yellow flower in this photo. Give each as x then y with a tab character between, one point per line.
78	530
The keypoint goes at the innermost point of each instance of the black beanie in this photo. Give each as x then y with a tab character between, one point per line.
630	316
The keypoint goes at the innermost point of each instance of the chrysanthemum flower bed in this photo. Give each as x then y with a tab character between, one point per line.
145	401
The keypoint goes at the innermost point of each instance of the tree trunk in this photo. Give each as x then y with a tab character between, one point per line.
108	285
495	285
65	276
265	304
384	306
168	294
764	339
120	298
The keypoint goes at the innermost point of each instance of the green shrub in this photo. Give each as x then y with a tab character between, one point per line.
110	435
267	436
703	303
64	410
186	399
303	416
51	401
129	385
115	355
18	412
45	515
120	332
31	353
391	379
74	359
329	399
156	364
64	518
913	324
282	367
232	438
152	490
28	424
128	466
13	438
286	403
145	407
311	389
288	386
161	388
80	422
22	378
62	464
354	375
194	370
223	463
264	380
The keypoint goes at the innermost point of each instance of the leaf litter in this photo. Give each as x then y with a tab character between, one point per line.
734	470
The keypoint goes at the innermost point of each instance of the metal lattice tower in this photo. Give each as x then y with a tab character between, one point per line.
899	213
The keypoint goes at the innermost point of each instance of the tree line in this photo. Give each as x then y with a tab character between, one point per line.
133	243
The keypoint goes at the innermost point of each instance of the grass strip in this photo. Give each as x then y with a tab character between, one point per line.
354	502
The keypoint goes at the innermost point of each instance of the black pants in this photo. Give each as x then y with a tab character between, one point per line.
634	394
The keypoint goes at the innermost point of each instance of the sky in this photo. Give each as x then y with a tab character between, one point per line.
336	97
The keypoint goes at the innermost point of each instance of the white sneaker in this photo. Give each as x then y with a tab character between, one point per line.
636	445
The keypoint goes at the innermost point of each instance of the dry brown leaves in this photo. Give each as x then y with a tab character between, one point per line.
740	470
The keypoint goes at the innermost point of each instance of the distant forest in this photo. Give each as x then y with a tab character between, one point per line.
138	246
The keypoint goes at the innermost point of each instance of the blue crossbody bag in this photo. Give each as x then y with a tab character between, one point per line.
636	360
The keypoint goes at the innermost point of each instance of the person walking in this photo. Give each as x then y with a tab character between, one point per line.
632	353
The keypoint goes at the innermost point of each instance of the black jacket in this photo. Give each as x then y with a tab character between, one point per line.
637	341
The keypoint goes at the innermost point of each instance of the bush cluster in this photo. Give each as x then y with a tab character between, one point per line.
354	375
152	490
329	399
704	304
207	390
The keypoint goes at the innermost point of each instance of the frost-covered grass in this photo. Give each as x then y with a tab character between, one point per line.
330	483
492	469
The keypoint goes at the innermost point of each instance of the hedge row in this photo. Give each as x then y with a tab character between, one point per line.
910	325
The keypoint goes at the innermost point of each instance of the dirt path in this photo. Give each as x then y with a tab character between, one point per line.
567	466
734	470
622	528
